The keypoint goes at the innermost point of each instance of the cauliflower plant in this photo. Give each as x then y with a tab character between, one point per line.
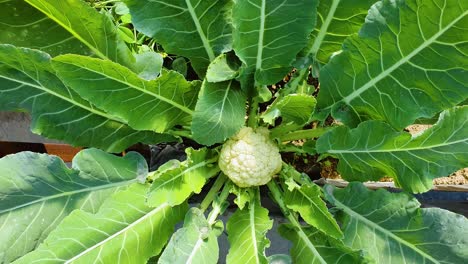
250	158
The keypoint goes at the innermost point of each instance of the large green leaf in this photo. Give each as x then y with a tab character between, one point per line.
268	34
194	243
124	230
246	231
219	113
313	247
374	150
391	228
156	105
24	26
37	191
306	199
175	181
27	82
199	27
337	19
95	30
397	68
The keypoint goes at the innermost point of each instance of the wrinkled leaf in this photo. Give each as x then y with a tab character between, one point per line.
397	69
219	113
336	20
124	230
27	82
193	243
24	26
200	27
174	182
95	30
267	35
156	105
374	150
400	231
311	247
246	231
297	108
37	191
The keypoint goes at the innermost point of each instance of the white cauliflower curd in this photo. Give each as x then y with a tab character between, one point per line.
250	158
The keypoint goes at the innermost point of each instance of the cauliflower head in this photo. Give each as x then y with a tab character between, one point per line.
250	158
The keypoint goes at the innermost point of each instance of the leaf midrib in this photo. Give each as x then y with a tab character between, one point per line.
70	30
374	80
42	88
375	226
337	151
204	39
252	231
123	230
71	193
323	29
261	33
130	85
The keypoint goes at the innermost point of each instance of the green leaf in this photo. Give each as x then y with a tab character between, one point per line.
37	191
194	243
337	19
400	231
267	35
246	231
95	30
219	113
180	65
124	230
374	150
27	83
311	246
297	108
200	27
306	199
24	26
175	182
148	65
242	196
224	68
156	105
397	69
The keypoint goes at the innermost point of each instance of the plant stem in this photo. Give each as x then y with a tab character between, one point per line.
217	185
253	113
278	197
218	203
181	133
305	134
